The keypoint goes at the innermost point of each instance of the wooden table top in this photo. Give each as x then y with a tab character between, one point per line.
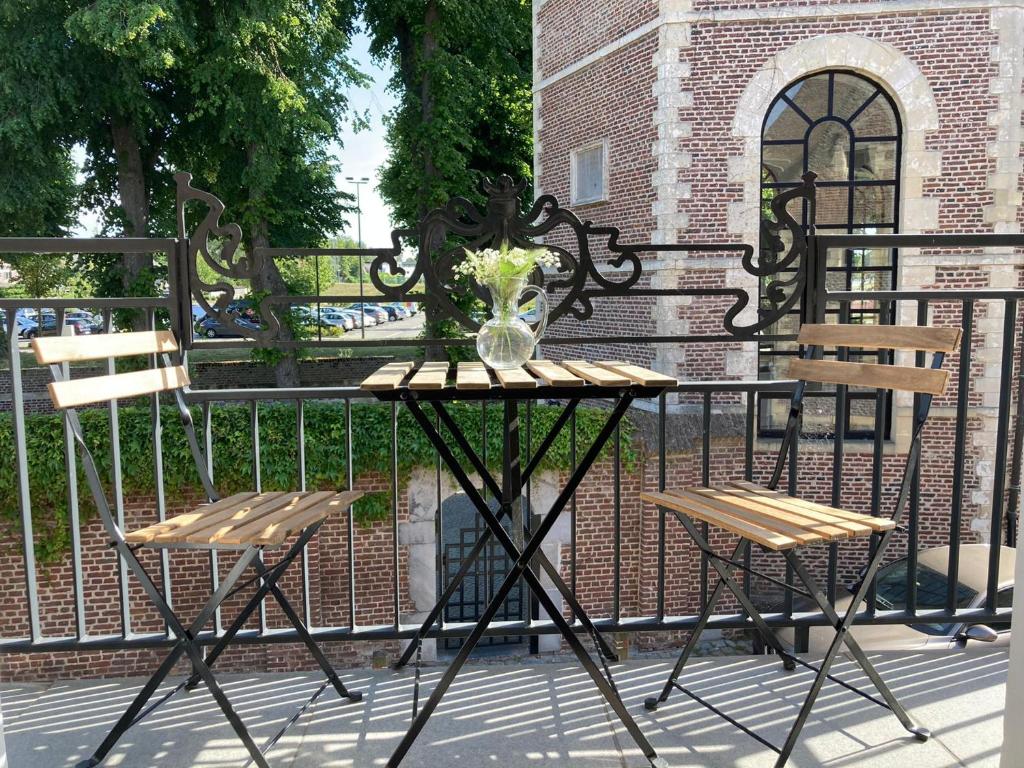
475	377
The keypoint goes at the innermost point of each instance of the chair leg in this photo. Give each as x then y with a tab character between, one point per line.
920	733
691	643
186	644
303	633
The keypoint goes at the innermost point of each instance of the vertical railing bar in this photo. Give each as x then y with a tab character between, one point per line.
914	508
791	485
959	449
1016	462
218	626
300	436
394	517
257	475
118	485
662	481
440	558
350	478
705	481
1002	442
572	505
527	514
24	493
74	519
838	456
877	453
158	474
748	474
617	517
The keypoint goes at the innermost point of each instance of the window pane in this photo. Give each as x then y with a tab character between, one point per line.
850	94
833	206
873	205
784	162
811	96
875	160
590	174
828	149
877	119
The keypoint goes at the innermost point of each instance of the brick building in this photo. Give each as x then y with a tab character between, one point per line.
676	120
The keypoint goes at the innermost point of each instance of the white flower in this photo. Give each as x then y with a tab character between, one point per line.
490	264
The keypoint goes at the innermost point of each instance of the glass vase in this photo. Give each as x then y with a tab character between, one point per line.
506	340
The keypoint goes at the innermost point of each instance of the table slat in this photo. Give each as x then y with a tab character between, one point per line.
386	377
595	374
554	374
642	376
472	375
431	375
515	378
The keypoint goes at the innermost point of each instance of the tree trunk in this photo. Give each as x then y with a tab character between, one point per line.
428	49
268	278
131	186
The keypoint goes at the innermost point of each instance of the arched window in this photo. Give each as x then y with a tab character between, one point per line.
845	128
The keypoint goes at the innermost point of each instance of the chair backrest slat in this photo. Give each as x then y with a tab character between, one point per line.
75	392
920	338
72	349
871	375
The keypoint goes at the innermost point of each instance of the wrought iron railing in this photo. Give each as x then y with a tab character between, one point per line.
791	279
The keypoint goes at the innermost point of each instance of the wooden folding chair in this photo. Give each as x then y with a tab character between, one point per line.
780	523
247	523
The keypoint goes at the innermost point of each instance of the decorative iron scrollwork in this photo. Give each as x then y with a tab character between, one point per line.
444	236
786	268
224	258
503	221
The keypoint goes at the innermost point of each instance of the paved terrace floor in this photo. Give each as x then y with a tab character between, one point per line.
536	714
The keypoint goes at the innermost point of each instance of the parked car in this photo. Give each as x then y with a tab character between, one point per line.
395	311
83	326
211	328
377	313
932	578
337	320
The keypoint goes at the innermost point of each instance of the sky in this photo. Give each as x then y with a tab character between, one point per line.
358	154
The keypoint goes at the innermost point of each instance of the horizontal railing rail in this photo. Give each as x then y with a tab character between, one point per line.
715	412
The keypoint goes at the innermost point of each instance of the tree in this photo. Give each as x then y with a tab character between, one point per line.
267	99
42	274
248	96
463	80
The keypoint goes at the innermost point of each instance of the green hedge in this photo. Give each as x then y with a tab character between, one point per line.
326	460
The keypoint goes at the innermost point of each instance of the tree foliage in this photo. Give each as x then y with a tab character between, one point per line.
463	74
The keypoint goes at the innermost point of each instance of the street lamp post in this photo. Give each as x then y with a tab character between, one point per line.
359	208
358	182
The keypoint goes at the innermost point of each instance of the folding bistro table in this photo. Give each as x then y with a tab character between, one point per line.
572	381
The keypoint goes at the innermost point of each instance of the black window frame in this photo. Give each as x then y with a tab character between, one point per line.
853	273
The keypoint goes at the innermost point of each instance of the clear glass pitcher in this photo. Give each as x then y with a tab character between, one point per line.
506	340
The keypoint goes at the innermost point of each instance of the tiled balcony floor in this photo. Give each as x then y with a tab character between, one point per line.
539	714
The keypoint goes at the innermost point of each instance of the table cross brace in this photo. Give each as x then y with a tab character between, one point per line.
520	568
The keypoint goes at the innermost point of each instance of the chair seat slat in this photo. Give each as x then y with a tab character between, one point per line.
768	523
777	517
877	524
695	508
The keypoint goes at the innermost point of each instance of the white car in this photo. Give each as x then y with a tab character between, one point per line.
932	569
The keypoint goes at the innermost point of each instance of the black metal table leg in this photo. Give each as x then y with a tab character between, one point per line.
520	569
605	647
